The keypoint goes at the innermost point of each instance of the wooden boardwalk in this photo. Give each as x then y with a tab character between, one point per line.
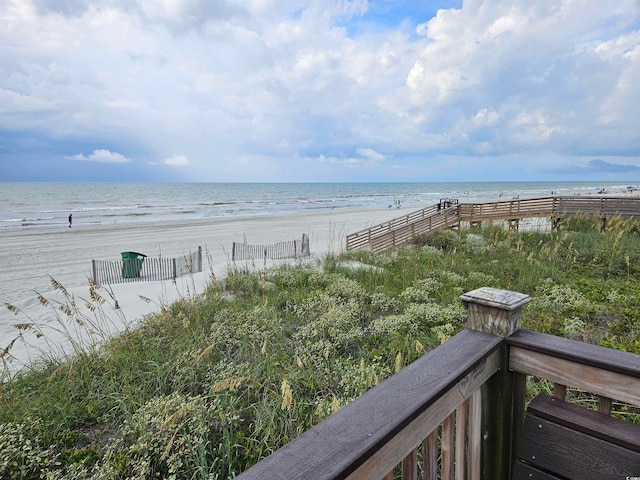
401	230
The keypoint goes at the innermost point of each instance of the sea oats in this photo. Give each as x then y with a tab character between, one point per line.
287	395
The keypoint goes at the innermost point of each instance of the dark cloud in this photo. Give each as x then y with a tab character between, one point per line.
196	15
595	166
68	8
191	14
602	166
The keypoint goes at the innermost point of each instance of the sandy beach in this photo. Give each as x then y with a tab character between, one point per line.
30	259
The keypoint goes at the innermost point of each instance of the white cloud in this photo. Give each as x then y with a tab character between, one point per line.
364	158
100	156
279	81
486	117
370	154
176	161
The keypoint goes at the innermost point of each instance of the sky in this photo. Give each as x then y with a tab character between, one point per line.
319	90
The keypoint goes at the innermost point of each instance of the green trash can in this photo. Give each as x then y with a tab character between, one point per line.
132	264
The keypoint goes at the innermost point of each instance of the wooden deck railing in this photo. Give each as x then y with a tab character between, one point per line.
455	413
401	230
400	418
606	373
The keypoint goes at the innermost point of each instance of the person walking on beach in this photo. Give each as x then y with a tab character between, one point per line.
70	219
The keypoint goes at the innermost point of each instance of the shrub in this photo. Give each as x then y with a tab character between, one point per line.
167	437
24	452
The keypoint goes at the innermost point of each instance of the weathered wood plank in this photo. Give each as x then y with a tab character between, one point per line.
447	445
572	454
519	397
442	411
559	391
475	436
461	440
625	207
567	372
152	268
522	471
371	435
430	458
605	405
410	466
605	358
591	422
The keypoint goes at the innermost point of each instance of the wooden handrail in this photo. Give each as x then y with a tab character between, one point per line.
374	433
603	358
602	371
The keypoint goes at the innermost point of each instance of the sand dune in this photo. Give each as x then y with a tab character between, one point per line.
30	259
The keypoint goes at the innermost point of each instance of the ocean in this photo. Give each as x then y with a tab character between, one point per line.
34	206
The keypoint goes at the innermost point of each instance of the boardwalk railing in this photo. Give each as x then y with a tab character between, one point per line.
456	412
625	207
151	268
449	214
400	230
507	210
275	251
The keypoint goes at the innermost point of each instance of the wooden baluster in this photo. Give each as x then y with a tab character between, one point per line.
430	458
410	466
559	391
461	441
520	392
447	448
475	436
604	405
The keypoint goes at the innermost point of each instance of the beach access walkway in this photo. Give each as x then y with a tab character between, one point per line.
449	213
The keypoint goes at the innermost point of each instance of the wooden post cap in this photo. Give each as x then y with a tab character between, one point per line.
494	297
493	310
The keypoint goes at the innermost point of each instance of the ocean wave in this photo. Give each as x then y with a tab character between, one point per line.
110	203
132	214
28	219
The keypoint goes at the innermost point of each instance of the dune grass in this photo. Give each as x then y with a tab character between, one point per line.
212	383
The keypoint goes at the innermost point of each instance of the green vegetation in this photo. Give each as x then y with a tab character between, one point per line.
212	383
